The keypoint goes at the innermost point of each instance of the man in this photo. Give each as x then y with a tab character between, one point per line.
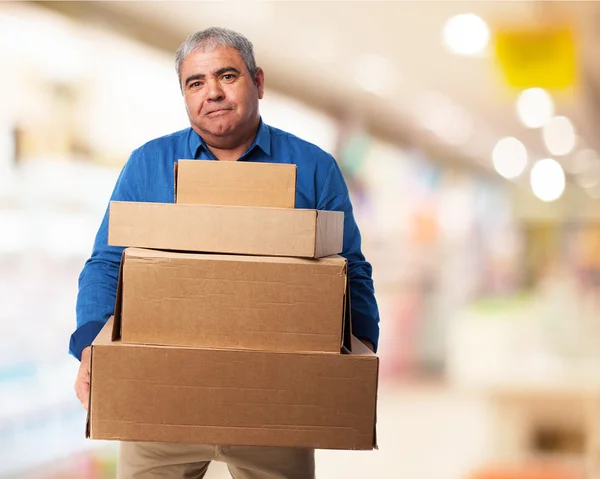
221	86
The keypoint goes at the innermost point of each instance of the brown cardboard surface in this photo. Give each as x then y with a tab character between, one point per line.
232	397
230	301
328	226
241	230
236	183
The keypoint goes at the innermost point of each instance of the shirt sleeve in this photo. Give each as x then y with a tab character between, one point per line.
99	277
365	314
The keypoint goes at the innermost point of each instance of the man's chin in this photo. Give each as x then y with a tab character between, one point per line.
223	137
221	131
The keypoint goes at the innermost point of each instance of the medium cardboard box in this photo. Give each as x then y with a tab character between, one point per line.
232	397
235	183
244	230
230	301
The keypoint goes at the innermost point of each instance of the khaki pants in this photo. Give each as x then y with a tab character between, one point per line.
149	460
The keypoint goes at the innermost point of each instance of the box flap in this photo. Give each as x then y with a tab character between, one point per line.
347	322
105	335
330	233
359	349
116	330
88	422
338	261
375	445
102	339
175	173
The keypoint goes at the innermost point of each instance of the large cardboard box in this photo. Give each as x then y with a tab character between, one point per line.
230	301
244	230
235	183
232	397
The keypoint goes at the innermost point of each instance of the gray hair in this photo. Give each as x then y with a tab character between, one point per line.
214	37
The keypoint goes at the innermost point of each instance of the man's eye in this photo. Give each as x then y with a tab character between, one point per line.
195	84
228	77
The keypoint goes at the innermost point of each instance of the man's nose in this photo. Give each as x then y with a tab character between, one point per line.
215	92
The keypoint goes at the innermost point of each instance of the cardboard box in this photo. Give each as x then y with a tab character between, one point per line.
226	229
235	183
228	301
232	397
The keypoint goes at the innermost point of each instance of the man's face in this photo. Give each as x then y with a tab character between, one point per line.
221	97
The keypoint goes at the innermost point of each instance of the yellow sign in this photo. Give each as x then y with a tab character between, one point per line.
537	57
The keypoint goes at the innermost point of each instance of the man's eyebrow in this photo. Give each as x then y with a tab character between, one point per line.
223	70
197	76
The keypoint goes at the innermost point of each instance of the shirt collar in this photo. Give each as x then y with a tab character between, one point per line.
262	140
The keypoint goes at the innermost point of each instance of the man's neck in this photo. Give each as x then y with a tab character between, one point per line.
234	153
229	154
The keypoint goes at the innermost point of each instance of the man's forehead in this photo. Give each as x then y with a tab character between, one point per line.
214	55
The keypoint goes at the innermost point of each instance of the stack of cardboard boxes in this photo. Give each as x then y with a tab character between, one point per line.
242	336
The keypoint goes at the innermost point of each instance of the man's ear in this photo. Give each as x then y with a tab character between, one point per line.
259	80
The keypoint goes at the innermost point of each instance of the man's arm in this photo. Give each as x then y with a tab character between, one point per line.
98	279
365	314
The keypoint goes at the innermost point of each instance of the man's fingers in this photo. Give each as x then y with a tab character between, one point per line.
78	391
84	370
83	399
82	383
82	388
82	391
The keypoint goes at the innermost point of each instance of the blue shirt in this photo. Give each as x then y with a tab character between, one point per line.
148	176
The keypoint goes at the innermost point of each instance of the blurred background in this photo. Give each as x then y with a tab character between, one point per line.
468	134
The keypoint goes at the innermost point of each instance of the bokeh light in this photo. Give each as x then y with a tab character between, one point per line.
466	34
559	136
509	157
547	179
535	107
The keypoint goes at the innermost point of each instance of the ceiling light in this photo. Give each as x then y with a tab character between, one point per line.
535	107
509	157
547	180
465	34
559	136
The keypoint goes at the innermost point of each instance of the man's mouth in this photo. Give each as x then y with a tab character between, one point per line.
218	111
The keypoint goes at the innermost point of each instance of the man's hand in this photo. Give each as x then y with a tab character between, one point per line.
82	383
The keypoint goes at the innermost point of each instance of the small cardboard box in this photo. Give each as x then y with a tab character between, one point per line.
235	183
243	230
229	301
232	397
